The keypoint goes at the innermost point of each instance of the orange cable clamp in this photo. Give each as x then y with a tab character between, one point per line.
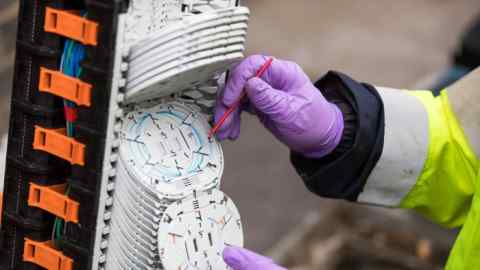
70	25
59	84
45	255
55	142
53	200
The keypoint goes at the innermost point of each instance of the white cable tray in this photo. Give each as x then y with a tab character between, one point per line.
186	75
161	56
181	62
189	26
185	54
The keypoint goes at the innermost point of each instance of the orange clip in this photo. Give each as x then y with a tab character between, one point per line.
70	25
64	86
53	200
45	255
55	142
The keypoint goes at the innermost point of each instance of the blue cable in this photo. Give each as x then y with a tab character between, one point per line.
73	55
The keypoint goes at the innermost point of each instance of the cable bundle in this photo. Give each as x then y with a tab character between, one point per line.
73	54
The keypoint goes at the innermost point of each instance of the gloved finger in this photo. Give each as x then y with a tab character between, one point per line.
281	75
272	103
231	126
285	75
239	77
242	259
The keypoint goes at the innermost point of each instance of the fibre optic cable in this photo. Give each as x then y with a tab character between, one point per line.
73	54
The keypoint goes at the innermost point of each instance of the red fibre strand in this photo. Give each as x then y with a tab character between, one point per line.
70	114
230	110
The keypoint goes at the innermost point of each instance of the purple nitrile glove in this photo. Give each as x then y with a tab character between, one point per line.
286	102
242	259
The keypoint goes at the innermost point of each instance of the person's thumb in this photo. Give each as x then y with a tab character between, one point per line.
242	259
264	98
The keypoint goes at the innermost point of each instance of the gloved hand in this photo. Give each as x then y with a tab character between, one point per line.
286	102
242	259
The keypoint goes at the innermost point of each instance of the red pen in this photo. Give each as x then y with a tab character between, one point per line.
224	117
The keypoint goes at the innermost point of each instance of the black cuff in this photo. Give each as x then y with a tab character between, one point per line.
343	173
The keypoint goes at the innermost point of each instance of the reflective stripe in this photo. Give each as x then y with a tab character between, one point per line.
405	149
464	97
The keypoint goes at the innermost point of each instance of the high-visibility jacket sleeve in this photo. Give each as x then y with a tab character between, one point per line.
428	162
407	149
429	147
447	188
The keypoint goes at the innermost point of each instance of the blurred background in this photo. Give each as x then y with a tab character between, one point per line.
403	44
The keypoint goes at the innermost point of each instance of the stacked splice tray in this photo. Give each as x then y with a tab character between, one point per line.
188	52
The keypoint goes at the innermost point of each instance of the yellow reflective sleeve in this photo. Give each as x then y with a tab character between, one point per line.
444	190
466	251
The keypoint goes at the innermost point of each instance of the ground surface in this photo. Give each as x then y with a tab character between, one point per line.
392	43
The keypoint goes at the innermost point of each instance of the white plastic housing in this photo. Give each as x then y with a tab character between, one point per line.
158	161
